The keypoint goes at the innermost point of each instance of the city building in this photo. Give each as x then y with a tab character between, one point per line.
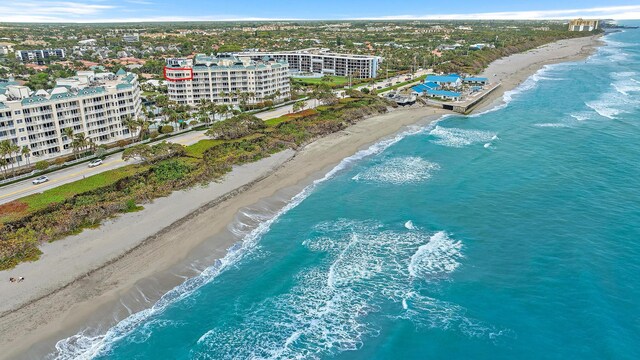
131	37
583	25
224	78
6	48
321	61
94	104
39	55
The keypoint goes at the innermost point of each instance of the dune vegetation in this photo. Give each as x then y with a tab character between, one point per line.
163	168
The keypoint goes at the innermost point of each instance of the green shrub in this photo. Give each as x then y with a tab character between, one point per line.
166	129
42	165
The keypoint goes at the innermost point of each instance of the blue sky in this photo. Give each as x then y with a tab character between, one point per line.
202	10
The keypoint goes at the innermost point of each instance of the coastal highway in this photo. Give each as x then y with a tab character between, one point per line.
77	172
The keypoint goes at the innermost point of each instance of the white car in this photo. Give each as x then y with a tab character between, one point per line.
40	180
96	162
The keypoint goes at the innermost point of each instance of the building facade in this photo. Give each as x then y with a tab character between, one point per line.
39	55
225	78
6	49
94	104
583	25
321	61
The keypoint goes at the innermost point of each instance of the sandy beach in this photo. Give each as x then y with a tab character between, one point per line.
89	278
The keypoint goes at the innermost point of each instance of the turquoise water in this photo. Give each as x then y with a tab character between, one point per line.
512	234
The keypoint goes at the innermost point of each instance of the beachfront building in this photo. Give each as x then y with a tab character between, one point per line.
39	56
322	61
435	90
476	80
94	104
450	81
583	25
226	79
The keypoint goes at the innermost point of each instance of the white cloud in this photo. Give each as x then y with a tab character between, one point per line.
610	12
96	11
48	11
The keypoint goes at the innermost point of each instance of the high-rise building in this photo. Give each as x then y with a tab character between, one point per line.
39	55
91	103
226	79
583	25
321	61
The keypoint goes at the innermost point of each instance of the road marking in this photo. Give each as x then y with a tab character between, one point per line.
53	181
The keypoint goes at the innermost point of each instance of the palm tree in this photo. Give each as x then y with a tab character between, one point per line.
3	166
68	132
132	124
144	128
79	143
15	150
26	153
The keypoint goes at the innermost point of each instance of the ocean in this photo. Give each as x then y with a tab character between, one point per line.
512	234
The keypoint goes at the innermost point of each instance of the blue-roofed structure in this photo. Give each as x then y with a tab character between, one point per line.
445	94
476	80
451	80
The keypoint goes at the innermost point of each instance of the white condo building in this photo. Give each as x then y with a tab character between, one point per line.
321	61
221	79
91	103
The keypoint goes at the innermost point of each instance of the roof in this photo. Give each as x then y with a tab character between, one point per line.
444	93
431	84
443	78
476	79
121	72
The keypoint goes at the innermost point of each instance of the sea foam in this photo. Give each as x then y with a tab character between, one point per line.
398	171
91	343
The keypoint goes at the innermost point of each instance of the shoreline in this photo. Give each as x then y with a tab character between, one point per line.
162	259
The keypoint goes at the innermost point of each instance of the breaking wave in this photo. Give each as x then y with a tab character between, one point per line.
455	137
368	272
399	171
87	345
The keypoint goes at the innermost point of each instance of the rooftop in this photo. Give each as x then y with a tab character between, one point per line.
85	83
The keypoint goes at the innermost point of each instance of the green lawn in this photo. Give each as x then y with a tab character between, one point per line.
196	150
41	200
63	192
335	80
419	78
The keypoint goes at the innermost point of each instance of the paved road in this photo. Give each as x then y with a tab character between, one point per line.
275	113
23	188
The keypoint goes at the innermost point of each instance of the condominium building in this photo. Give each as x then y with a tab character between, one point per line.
226	79
321	61
6	48
91	103
583	25
39	55
131	37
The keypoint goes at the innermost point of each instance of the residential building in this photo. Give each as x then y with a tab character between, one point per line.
39	55
131	37
94	104
583	25
223	78
321	61
6	48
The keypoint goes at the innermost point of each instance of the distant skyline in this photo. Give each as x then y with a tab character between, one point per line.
87	11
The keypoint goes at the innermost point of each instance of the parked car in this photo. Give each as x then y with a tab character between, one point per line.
96	162
40	180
